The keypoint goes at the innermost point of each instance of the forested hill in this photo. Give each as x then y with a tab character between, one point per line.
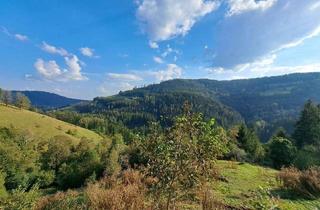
45	100
265	103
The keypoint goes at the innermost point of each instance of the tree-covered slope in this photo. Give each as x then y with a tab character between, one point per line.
266	103
45	100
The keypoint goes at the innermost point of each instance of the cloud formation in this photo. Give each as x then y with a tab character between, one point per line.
165	19
237	7
50	70
54	50
245	38
116	82
21	37
86	51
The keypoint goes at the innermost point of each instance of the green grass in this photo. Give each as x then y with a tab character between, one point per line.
42	126
245	179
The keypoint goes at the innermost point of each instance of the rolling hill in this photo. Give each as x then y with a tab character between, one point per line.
266	103
46	101
42	126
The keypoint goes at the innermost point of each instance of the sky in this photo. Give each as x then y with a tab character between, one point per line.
84	48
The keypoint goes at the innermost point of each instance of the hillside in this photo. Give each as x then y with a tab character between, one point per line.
42	126
243	180
266	103
45	100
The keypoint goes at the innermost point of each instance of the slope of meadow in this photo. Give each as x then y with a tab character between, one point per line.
42	126
243	181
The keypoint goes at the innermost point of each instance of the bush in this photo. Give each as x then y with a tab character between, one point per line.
21	199
128	194
282	152
60	200
305	183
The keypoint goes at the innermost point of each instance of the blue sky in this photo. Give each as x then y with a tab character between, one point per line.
85	49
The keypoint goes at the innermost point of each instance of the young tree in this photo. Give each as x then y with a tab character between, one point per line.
307	130
250	143
183	157
282	152
22	101
6	97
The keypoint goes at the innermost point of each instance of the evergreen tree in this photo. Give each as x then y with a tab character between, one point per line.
250	143
307	130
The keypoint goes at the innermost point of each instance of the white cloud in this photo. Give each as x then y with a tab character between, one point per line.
21	37
237	7
74	68
158	59
125	77
53	50
153	45
165	19
260	68
171	72
86	51
50	70
295	43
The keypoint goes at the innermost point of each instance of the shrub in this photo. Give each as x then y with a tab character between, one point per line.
282	152
128	193
305	183
21	199
68	200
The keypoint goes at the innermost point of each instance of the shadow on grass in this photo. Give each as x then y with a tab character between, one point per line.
290	195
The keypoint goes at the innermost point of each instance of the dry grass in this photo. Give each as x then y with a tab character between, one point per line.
305	183
128	193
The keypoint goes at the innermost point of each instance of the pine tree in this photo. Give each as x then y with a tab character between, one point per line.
307	130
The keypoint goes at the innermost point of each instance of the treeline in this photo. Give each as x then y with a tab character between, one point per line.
17	99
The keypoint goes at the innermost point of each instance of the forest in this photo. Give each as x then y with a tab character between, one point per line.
162	149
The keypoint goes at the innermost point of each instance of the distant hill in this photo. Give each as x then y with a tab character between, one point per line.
266	103
42	126
45	100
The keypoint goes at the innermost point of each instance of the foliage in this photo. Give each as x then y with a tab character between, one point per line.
3	191
71	200
307	157
79	166
263	199
112	161
22	101
307	131
21	199
183	157
250	143
282	152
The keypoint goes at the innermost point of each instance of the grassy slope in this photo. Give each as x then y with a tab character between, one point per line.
245	178
41	126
